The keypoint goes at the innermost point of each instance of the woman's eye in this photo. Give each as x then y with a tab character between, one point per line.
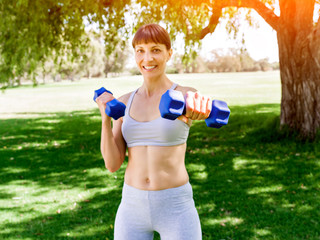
139	51
156	50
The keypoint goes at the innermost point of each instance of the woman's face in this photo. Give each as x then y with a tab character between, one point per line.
151	58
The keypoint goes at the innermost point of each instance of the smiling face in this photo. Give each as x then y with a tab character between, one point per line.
151	58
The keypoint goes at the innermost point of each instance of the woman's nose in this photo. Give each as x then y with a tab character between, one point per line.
148	56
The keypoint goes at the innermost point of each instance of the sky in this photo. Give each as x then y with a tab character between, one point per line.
260	43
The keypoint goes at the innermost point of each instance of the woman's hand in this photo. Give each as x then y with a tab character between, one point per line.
198	106
102	100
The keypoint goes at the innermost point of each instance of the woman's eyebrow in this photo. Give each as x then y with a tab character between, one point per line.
152	46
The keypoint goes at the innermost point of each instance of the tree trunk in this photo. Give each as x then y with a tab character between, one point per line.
300	76
299	57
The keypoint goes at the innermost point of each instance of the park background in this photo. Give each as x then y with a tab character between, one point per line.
251	179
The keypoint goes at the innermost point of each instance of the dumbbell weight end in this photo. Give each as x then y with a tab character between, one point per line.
98	92
172	104
114	108
219	115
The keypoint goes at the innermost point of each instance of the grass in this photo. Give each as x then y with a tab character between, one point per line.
235	88
250	180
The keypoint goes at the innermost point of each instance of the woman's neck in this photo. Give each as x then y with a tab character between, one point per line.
151	87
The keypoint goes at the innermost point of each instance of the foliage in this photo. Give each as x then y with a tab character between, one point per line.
234	60
221	60
116	62
51	30
37	31
32	31
92	62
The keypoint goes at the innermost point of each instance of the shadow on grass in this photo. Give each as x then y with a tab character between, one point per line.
250	181
53	181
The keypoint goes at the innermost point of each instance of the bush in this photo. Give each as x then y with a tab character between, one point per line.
134	71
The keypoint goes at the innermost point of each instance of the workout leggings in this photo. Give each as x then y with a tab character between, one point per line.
170	212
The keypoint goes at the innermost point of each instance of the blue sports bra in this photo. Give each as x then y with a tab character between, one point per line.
158	132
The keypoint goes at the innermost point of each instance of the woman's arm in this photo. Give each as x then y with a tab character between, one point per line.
113	146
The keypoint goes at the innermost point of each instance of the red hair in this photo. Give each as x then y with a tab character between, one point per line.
152	33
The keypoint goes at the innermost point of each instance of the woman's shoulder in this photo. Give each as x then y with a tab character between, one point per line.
124	98
185	89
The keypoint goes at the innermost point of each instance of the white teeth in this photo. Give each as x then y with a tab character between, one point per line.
149	67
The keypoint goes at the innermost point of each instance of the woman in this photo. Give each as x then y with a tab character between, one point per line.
157	195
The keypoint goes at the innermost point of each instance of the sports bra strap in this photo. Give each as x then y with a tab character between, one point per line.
130	101
173	86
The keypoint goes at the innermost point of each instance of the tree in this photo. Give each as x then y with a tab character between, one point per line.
299	56
298	34
235	60
32	30
116	62
94	57
225	61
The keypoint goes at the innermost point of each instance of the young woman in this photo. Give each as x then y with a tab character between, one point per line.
156	195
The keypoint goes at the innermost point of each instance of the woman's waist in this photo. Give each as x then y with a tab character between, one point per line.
132	192
155	179
156	168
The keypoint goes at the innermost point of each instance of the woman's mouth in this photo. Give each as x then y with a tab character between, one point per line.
148	68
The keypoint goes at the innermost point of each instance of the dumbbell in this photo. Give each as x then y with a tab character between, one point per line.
114	108
172	105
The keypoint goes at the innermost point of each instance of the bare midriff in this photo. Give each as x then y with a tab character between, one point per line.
156	168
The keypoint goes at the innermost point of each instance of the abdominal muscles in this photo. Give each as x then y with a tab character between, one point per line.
156	168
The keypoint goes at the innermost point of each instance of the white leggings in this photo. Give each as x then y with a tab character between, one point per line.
170	212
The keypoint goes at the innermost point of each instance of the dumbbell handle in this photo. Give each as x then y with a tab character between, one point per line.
114	108
172	105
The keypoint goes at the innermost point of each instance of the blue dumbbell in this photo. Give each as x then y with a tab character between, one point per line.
172	105
114	108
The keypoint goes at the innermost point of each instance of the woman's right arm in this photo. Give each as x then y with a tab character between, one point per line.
113	146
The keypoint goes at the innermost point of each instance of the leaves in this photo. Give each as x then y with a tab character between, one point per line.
31	31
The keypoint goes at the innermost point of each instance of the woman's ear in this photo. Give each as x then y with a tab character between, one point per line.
169	54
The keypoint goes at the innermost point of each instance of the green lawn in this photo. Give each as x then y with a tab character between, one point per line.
250	180
234	88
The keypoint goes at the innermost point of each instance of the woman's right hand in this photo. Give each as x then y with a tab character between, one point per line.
102	101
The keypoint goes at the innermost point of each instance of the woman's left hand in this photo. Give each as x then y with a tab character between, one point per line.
198	106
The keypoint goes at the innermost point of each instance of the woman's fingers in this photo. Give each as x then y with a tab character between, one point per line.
198	106
208	106
102	100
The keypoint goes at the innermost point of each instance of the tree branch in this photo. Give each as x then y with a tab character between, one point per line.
266	13
214	20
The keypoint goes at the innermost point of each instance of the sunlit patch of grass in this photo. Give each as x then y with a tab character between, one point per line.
255	173
239	164
265	189
250	181
232	221
262	233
